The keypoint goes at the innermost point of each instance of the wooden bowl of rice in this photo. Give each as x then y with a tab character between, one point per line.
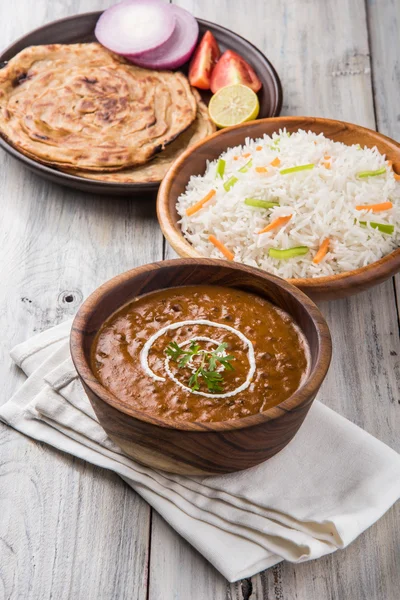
194	162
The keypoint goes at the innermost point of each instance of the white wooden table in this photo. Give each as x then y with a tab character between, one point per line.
69	530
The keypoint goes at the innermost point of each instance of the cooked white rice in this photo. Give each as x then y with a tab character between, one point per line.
322	202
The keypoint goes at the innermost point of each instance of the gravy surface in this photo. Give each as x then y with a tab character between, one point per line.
268	342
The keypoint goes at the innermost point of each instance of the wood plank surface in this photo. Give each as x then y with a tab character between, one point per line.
69	530
384	27
322	52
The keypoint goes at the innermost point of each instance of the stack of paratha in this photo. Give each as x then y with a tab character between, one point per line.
86	111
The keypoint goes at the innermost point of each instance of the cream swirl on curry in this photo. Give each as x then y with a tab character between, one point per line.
200	353
144	356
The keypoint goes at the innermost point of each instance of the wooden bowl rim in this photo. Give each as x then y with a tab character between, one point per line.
388	264
301	395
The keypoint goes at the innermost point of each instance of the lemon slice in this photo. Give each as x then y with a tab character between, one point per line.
232	105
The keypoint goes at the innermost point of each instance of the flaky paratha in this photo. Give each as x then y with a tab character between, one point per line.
154	171
80	106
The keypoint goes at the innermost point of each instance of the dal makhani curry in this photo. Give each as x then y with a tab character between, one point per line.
200	353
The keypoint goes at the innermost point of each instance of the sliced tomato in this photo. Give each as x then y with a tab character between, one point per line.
231	69
203	62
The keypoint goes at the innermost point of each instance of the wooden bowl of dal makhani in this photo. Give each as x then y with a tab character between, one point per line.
199	366
315	201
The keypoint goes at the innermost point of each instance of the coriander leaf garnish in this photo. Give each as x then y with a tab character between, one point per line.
194	381
208	368
218	357
182	357
213	380
173	351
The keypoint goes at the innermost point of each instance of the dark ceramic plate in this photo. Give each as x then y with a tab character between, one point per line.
80	28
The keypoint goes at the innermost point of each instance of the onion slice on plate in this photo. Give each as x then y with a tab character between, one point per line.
135	26
177	49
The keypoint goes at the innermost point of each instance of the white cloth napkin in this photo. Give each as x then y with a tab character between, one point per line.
327	486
